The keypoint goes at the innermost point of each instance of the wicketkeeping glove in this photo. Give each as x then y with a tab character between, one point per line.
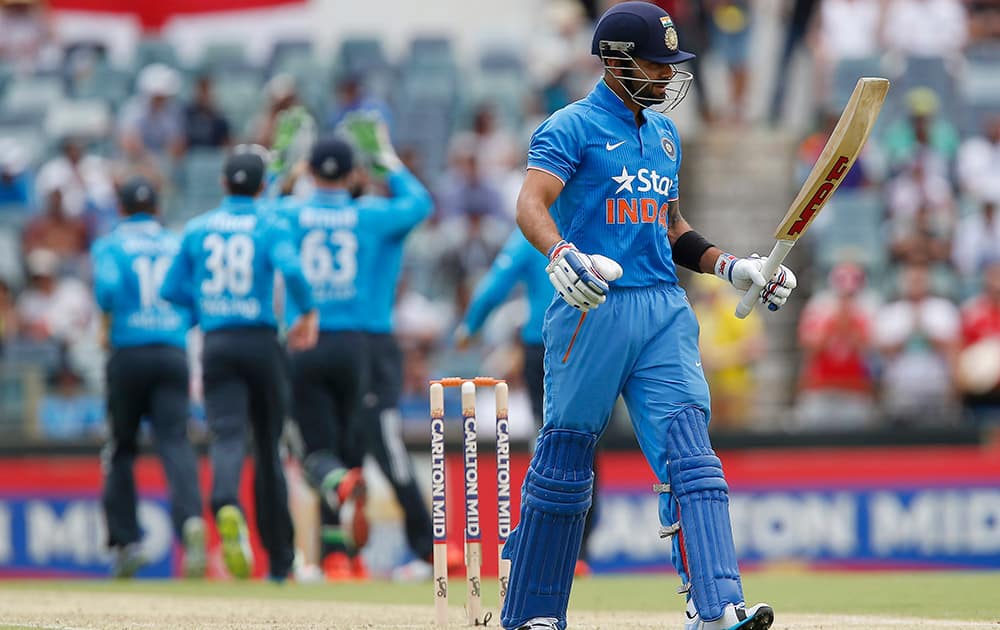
370	134
581	279
743	273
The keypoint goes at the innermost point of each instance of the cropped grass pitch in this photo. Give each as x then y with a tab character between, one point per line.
803	600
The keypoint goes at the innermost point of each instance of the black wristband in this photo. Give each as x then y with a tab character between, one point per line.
688	249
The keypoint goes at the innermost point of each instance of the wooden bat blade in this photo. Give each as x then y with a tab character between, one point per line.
838	156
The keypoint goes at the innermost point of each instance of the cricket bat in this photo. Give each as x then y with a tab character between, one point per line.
838	156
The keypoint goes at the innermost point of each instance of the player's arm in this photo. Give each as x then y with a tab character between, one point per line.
107	280
177	287
304	331
693	251
553	158
410	202
505	272
107	277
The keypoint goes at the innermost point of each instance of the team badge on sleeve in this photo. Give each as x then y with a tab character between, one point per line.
669	148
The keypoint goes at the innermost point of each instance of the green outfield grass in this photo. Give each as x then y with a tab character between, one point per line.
965	595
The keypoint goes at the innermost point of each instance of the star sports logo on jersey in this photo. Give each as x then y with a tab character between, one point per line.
638	209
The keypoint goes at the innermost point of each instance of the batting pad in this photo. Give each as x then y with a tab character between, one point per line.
544	547
702	498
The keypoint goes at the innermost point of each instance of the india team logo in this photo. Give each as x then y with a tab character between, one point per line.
669	148
669	33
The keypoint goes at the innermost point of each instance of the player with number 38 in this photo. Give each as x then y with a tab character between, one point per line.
224	271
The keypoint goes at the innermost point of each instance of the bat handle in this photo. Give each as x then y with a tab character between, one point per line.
774	260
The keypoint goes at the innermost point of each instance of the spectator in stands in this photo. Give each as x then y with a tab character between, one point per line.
8	316
152	123
977	237
83	179
730	22
921	132
920	198
979	158
846	30
351	95
282	95
837	382
729	349
15	178
67	410
495	147
54	230
798	22
921	238
918	336
984	20
463	189
562	67
691	19
204	124
52	306
926	28
26	37
979	361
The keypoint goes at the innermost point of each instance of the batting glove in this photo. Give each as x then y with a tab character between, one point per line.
581	279
743	273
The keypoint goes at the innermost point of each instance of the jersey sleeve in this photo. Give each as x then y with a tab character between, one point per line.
285	258
408	205
504	274
107	276
674	193
556	147
177	287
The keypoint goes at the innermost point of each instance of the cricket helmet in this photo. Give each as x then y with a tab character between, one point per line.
641	30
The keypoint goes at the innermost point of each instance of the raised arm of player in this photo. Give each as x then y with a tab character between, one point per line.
742	273
409	204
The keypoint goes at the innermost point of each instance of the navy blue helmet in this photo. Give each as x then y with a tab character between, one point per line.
641	30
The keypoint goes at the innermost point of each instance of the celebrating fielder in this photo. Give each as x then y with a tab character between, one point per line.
601	198
225	271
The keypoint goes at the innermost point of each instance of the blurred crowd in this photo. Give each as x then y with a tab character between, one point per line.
903	326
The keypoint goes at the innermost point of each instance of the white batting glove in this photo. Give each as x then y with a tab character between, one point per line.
581	279
743	273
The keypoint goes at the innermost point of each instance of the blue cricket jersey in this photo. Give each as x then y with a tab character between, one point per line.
130	263
226	264
518	261
390	220
617	181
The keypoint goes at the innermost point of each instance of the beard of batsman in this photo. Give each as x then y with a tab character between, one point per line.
659	95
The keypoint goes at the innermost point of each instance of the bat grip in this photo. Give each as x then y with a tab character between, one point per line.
774	260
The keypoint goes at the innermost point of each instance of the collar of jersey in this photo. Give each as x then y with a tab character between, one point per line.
239	203
139	221
331	197
606	99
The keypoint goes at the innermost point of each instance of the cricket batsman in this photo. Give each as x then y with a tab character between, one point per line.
600	197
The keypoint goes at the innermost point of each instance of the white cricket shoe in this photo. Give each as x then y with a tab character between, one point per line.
759	617
540	623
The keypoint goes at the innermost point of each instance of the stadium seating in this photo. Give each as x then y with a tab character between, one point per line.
361	55
853	231
198	177
89	119
154	51
32	93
